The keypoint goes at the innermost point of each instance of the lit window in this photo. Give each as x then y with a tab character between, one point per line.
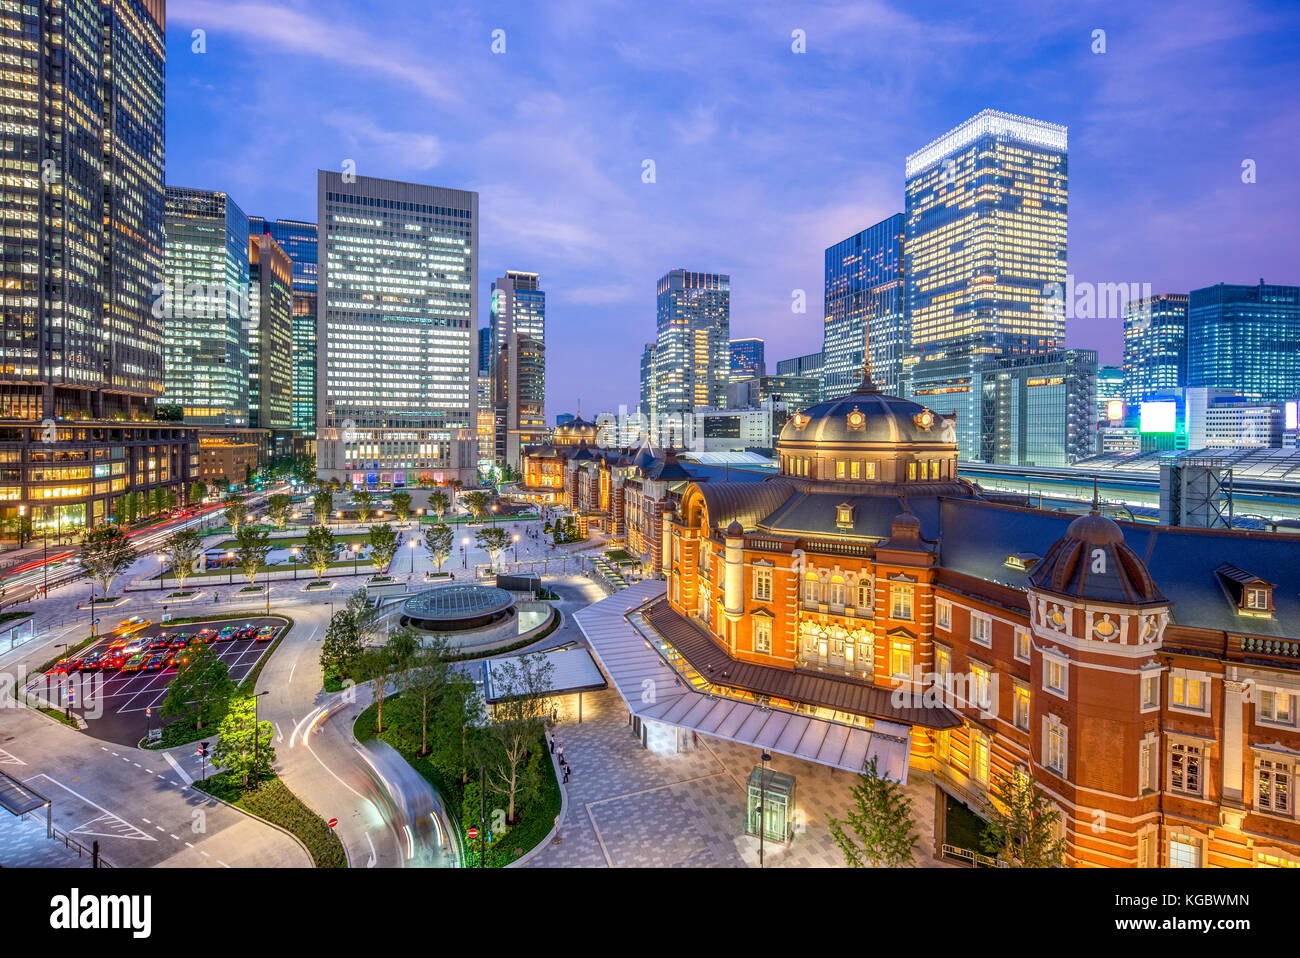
900	658
811	588
1185	768
1277	707
943	614
1184	853
1022	645
901	602
1150	690
841	469
1055	675
1022	707
1257	599
979	757
981	629
1054	745
837	591
866	599
980	696
855	470
762	635
1187	692
1273	786
763	585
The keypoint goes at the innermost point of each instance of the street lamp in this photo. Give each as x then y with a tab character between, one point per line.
494	513
356	558
412	544
294	552
464	559
516	547
229	557
161	570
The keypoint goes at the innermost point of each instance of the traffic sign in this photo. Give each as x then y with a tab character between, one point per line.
332	823
473	833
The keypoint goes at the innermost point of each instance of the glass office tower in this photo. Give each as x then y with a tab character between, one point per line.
1245	338
298	240
517	333
747	359
693	347
864	305
82	261
207	307
395	338
270	341
1155	347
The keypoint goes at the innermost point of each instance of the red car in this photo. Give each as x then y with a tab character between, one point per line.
112	661
178	658
61	667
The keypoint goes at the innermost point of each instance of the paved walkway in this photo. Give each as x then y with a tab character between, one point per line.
630	807
23	845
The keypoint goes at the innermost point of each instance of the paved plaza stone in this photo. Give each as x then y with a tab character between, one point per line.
23	844
629	807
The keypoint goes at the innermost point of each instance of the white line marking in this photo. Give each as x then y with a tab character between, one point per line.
177	769
122	828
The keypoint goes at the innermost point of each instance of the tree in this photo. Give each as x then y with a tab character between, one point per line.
382	540
202	687
243	749
131	507
881	819
319	550
493	539
157	500
172	499
322	505
349	629
477	502
439	542
517	726
278	508
252	546
236	512
439	503
427	682
198	491
362	500
182	549
1023	825
106	553
402	505
395	656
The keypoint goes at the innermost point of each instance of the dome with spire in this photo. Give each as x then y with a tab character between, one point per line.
575	431
1093	562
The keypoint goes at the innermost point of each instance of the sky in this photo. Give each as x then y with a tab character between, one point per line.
763	156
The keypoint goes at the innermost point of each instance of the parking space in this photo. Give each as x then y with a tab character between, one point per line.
120	702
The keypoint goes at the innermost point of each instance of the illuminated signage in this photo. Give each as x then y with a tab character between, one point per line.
1159	416
1115	410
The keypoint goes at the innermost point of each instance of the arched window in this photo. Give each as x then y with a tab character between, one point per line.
811	587
866	595
838	591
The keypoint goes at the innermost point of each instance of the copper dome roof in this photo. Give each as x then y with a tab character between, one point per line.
1093	562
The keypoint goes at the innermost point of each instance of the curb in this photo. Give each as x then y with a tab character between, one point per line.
301	844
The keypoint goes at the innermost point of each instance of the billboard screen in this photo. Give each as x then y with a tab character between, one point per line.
1115	410
1159	416
1291	416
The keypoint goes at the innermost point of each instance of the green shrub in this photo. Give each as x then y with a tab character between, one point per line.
273	801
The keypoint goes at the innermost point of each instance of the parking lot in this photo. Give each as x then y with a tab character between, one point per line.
116	705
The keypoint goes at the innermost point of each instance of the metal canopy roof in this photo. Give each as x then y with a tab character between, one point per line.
17	798
653	691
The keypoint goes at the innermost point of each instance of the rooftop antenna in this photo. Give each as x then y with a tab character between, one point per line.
1096	500
867	385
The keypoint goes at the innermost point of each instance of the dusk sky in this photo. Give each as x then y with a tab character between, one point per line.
764	157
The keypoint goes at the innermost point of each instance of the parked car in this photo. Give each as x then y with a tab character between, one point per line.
92	662
228	634
179	640
205	636
177	658
163	640
265	634
156	662
134	664
247	632
132	625
61	667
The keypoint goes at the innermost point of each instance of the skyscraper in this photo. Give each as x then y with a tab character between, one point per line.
298	240
984	251
395	334
208	307
692	350
82	213
1155	347
647	402
517	329
270	341
864	304
1245	338
747	359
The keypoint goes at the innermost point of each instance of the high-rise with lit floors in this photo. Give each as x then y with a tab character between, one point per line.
270	341
1155	347
517	330
864	308
396	328
299	241
81	363
693	346
207	307
747	359
1245	338
984	267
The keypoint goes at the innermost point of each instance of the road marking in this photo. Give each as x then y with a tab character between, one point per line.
373	857
295	665
9	758
120	828
176	838
222	864
146	821
177	768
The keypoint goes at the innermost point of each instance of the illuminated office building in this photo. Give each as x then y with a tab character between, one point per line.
693	347
646	404
81	363
299	241
1155	347
270	341
1245	338
864	308
747	359
207	305
517	334
395	338
984	249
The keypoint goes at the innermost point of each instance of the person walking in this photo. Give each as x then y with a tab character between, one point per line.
552	743
560	753
565	769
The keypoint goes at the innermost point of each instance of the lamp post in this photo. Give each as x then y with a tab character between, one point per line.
412	544
294	552
516	548
464	559
230	556
162	569
22	515
494	514
356	558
